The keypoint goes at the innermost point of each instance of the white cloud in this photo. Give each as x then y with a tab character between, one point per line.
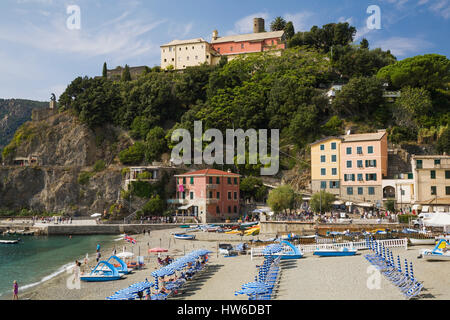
245	25
301	20
401	46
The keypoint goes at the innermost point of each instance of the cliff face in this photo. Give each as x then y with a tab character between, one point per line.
61	140
14	113
57	190
64	148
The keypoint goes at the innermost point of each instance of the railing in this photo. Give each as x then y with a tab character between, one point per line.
360	245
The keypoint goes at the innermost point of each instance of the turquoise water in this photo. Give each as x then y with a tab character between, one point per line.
37	259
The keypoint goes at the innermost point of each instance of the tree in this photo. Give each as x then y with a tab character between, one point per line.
155	144
249	187
364	44
133	155
390	205
289	30
278	24
443	143
126	75
282	199
430	71
360	97
322	201
411	105
105	71
154	207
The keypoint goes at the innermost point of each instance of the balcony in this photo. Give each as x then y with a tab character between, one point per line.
211	186
212	201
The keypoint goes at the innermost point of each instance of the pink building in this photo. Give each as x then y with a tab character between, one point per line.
364	163
211	195
258	41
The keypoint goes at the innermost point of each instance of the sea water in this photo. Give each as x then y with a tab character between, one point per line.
37	259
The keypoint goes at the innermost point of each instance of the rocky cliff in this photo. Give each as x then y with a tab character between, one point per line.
14	113
64	148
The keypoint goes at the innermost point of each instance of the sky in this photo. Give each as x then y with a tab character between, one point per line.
42	48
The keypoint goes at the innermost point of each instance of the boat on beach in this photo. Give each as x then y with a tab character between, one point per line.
184	236
9	241
342	252
104	271
439	253
423	241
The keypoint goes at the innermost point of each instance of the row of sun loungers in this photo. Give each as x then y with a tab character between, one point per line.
263	288
383	260
188	266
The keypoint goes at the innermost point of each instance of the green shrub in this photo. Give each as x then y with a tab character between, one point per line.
99	166
133	155
84	177
405	218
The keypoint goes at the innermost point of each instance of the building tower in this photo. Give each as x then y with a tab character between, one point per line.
258	25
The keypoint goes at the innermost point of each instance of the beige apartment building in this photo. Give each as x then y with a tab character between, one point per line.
431	182
181	54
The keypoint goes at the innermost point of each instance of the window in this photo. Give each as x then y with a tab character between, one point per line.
349	164
349	177
191	195
235	181
334	171
231	48
273	42
180	49
360	177
360	190
184	180
192	180
371	177
242	46
323	184
229	209
229	195
447	174
433	174
447	191
402	192
359	150
371	191
371	163
322	147
184	195
235	209
207	56
349	150
192	47
359	164
350	191
333	158
165	60
217	209
333	146
229	180
323	172
210	180
218	195
217	180
419	164
187	58
437	161
323	158
235	196
370	150
411	176
334	184
210	195
433	191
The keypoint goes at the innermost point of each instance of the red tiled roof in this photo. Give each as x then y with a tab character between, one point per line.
209	172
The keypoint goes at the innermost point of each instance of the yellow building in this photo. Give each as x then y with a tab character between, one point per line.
181	54
325	162
431	182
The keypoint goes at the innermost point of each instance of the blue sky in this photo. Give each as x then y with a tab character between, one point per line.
40	55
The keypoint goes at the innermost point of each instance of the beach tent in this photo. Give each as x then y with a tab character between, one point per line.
441	219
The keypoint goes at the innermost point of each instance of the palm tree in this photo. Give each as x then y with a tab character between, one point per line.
278	24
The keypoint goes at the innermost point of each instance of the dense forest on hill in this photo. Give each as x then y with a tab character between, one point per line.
284	92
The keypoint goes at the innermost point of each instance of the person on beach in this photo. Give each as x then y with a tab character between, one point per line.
98	256
15	290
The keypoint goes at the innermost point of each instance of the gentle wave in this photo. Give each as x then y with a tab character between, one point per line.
64	268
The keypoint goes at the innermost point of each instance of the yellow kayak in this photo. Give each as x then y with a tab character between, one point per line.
233	232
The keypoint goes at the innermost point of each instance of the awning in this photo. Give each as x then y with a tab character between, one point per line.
185	207
425	208
338	203
349	203
306	198
365	205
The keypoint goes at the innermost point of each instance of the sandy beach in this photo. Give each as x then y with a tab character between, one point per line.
310	278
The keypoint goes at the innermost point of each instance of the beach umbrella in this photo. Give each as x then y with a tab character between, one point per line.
156	250
130	240
125	255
